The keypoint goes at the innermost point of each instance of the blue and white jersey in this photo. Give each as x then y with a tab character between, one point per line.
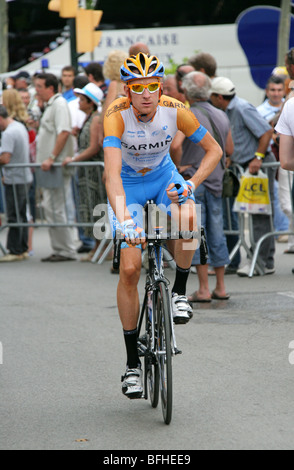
145	145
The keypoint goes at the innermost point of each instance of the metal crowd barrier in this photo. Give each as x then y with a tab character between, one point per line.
55	179
245	222
81	196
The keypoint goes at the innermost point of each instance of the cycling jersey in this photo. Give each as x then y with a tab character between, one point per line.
145	145
147	169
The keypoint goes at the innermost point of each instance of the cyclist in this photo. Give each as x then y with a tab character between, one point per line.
138	131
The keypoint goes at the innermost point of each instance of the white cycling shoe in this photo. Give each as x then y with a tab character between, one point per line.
181	309
132	386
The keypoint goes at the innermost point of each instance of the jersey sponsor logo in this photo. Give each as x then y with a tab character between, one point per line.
116	108
173	104
148	146
131	134
144	171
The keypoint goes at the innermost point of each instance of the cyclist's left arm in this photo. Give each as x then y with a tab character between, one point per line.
213	154
191	128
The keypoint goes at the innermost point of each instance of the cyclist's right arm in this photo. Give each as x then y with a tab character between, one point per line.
113	182
113	130
116	195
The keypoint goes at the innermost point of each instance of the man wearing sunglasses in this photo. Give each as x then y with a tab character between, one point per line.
138	132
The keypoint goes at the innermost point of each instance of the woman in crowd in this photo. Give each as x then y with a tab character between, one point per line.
17	110
90	188
111	71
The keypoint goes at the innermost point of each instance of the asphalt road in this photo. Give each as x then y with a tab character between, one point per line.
63	355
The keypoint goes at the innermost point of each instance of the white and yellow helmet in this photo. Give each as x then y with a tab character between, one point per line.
141	66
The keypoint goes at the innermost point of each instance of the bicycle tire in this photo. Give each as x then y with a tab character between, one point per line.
150	362
164	351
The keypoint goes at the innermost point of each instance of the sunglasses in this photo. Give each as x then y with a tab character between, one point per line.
139	88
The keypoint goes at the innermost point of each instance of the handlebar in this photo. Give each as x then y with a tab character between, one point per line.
160	237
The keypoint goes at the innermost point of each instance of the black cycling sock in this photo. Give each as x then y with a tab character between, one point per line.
181	280
133	360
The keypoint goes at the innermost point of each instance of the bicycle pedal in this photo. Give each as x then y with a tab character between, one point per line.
178	351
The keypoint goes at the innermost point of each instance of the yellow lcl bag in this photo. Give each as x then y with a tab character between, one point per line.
253	196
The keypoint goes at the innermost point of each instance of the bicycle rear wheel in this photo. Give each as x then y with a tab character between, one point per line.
164	350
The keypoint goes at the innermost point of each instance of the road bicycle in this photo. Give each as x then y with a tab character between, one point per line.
156	334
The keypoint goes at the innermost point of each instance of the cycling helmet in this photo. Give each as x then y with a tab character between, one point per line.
141	66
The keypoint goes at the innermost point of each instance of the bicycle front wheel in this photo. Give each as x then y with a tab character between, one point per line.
164	350
151	364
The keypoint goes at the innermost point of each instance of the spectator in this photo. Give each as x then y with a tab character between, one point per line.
8	82
138	47
68	74
88	150
22	80
111	71
197	87
204	62
12	100
15	149
25	96
251	136
94	72
283	73
270	110
15	106
54	143
78	118
274	98
181	71
77	115
285	127
170	88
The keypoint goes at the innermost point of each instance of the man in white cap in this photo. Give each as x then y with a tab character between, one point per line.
251	135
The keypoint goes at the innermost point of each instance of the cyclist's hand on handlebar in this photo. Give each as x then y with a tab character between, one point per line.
133	234
180	192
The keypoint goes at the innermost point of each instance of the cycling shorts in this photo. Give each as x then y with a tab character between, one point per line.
143	188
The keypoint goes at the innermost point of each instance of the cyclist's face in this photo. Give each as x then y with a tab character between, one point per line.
147	102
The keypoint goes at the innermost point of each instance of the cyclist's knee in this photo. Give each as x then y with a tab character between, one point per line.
130	274
130	268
